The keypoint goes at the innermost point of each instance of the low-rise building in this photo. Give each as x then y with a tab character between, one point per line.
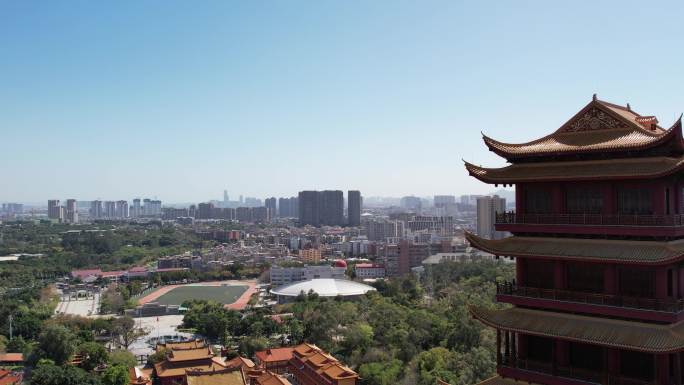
310	365
285	275
276	360
369	271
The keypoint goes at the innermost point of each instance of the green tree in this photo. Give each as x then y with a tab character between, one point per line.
250	345
57	343
47	373
94	354
381	373
125	332
122	358
17	345
115	375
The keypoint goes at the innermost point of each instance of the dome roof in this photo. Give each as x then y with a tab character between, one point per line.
340	263
324	287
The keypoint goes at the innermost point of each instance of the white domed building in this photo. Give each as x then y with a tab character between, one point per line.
324	287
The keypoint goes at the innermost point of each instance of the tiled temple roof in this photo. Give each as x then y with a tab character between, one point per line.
599	127
600	250
496	380
630	335
625	168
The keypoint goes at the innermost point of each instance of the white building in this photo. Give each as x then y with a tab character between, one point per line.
285	275
487	208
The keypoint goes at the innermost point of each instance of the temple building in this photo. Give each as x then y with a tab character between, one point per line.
187	357
304	364
598	238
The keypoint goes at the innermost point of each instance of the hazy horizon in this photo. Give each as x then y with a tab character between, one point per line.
182	100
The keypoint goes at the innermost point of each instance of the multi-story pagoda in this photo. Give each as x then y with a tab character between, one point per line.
598	238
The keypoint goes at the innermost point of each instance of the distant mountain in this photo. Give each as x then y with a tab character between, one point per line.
508	194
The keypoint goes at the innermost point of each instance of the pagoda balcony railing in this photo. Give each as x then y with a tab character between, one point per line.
587	375
512	218
653	304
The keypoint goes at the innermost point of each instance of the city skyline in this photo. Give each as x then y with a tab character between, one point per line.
179	100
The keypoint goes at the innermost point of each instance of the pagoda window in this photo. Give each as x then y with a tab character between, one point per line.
586	356
539	274
637	282
539	348
637	365
585	277
583	201
634	201
537	200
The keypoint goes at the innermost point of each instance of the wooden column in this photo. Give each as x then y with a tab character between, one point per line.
514	349
507	337
498	347
678	368
554	358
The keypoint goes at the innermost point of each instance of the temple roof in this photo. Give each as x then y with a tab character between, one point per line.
496	380
599	250
173	369
599	127
623	168
232	376
189	354
620	334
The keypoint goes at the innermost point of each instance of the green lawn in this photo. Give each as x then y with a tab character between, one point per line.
222	294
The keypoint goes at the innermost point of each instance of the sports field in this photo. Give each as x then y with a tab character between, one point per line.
223	294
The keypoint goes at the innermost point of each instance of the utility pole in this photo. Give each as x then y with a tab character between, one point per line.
10	327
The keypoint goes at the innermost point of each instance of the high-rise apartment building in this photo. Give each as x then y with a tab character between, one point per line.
487	207
318	208
309	206
271	207
95	209
354	204
332	208
205	210
71	211
110	209
12	208
288	207
136	210
54	209
122	209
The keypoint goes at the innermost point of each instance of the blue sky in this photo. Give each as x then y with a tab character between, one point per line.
180	99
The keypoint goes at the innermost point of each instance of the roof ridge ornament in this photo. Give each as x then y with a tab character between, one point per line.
593	98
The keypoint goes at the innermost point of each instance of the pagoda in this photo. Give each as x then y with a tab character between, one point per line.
598	238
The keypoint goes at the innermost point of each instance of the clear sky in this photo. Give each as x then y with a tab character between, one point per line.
182	99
